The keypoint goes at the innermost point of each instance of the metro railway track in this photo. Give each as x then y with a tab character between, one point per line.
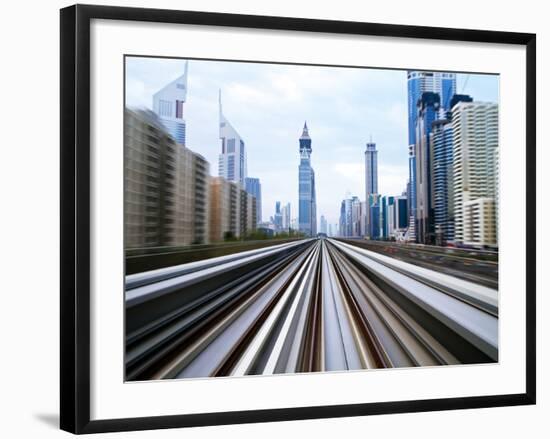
475	266
307	306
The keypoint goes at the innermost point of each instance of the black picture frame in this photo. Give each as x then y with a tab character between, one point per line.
75	217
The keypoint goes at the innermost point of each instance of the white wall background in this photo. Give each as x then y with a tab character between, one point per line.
29	250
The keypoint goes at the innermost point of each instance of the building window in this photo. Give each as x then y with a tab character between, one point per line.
179	109
231	168
165	108
230	145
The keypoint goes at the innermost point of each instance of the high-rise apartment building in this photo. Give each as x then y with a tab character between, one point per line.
254	188
168	105
411	196
232	210
442	181
247	213
442	174
166	189
285	214
475	173
307	204
232	160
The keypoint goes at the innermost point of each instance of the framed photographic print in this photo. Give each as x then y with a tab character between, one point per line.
272	218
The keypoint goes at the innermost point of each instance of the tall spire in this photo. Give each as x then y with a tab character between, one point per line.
305	132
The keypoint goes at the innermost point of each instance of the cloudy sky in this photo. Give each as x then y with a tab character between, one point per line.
268	104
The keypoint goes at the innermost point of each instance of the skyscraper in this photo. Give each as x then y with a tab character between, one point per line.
278	217
371	176
346	221
324	228
475	173
411	196
442	174
307	207
374	203
387	216
254	188
232	160
418	82
371	169
285	213
232	210
168	105
428	109
442	178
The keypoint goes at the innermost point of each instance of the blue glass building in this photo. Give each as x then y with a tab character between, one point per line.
375	220
254	188
402	213
307	205
442	173
428	110
385	219
419	82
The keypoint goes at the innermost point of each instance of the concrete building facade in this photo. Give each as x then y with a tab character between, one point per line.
166	189
475	173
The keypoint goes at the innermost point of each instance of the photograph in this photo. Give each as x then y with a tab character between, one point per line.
288	218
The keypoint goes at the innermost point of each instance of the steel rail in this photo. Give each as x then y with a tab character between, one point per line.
308	306
478	327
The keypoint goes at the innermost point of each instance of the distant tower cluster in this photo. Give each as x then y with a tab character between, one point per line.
307	205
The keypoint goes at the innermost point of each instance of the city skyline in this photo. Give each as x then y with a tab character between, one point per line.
267	105
293	294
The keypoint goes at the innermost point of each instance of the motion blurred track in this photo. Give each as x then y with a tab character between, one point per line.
305	306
